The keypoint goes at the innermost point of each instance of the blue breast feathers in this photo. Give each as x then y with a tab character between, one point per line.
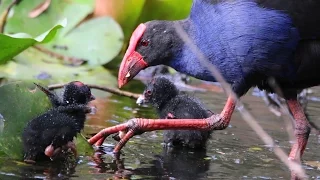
241	39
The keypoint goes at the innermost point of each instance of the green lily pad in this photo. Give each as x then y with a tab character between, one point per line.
19	20
32	65
17	114
18	105
13	44
97	41
83	147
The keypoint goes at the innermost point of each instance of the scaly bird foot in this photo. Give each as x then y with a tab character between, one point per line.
136	126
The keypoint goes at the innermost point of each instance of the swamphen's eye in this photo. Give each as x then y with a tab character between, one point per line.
149	92
144	42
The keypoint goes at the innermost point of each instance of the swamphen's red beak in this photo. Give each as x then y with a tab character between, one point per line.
132	62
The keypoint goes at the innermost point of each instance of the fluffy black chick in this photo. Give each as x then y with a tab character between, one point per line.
49	133
169	103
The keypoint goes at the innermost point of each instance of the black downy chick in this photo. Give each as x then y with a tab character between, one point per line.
163	95
47	134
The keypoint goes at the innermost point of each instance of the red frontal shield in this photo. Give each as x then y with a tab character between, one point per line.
132	62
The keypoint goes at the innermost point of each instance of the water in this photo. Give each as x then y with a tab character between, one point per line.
234	153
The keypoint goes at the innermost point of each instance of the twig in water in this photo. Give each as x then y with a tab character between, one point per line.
72	60
247	117
4	15
288	119
107	89
39	9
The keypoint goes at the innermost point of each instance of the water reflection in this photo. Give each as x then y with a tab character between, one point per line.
62	168
170	164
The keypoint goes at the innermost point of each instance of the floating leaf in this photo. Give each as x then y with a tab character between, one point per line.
56	11
97	41
32	65
18	105
13	44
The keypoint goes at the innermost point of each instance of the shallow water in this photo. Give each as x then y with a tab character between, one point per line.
234	153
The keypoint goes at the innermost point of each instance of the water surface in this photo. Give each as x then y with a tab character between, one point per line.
234	153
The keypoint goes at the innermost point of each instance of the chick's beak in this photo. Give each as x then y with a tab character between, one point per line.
140	100
130	66
92	97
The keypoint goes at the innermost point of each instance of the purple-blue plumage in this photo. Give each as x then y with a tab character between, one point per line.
240	38
247	40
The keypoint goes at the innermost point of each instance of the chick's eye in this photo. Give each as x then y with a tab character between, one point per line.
144	42
149	92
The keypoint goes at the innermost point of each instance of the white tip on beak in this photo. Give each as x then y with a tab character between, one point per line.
140	100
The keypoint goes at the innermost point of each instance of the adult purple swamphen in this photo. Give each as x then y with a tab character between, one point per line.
248	41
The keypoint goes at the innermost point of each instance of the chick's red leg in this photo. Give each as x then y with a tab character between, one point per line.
51	152
214	122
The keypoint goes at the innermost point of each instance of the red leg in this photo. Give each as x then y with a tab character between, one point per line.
214	122
124	140
100	141
302	131
51	152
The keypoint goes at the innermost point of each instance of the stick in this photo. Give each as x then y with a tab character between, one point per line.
246	115
107	89
4	15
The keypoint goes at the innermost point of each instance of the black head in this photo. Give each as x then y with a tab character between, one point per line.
157	42
77	93
152	43
158	92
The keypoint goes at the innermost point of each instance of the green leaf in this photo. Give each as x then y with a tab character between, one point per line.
18	105
11	45
83	147
165	10
32	65
128	16
17	114
97	41
73	10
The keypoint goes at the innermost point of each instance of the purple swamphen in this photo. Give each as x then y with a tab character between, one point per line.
248	41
